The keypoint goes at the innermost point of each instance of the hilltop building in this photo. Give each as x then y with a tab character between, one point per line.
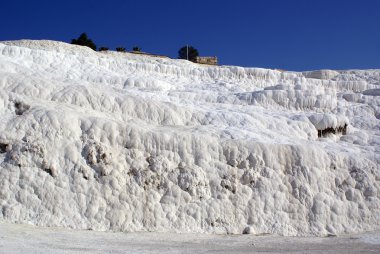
211	60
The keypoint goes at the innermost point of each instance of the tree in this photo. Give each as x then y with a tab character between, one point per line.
83	40
103	48
120	49
136	48
188	51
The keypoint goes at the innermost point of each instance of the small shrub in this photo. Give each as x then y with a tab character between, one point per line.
83	40
103	48
120	49
188	52
136	49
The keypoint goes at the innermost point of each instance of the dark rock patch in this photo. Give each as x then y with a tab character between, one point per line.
3	148
21	108
340	129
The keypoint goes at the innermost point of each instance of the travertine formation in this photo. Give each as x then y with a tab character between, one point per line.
125	142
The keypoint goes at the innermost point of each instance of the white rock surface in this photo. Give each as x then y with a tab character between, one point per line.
324	121
123	142
16	238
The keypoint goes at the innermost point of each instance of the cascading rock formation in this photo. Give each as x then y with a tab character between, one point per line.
123	142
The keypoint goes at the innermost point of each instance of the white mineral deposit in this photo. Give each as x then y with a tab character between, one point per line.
111	141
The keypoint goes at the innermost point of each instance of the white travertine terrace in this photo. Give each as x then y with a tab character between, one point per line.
123	142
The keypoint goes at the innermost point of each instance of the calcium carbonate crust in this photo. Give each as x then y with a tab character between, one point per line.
123	142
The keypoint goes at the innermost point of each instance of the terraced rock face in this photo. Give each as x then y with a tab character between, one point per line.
115	141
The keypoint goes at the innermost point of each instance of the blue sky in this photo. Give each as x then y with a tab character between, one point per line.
287	34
